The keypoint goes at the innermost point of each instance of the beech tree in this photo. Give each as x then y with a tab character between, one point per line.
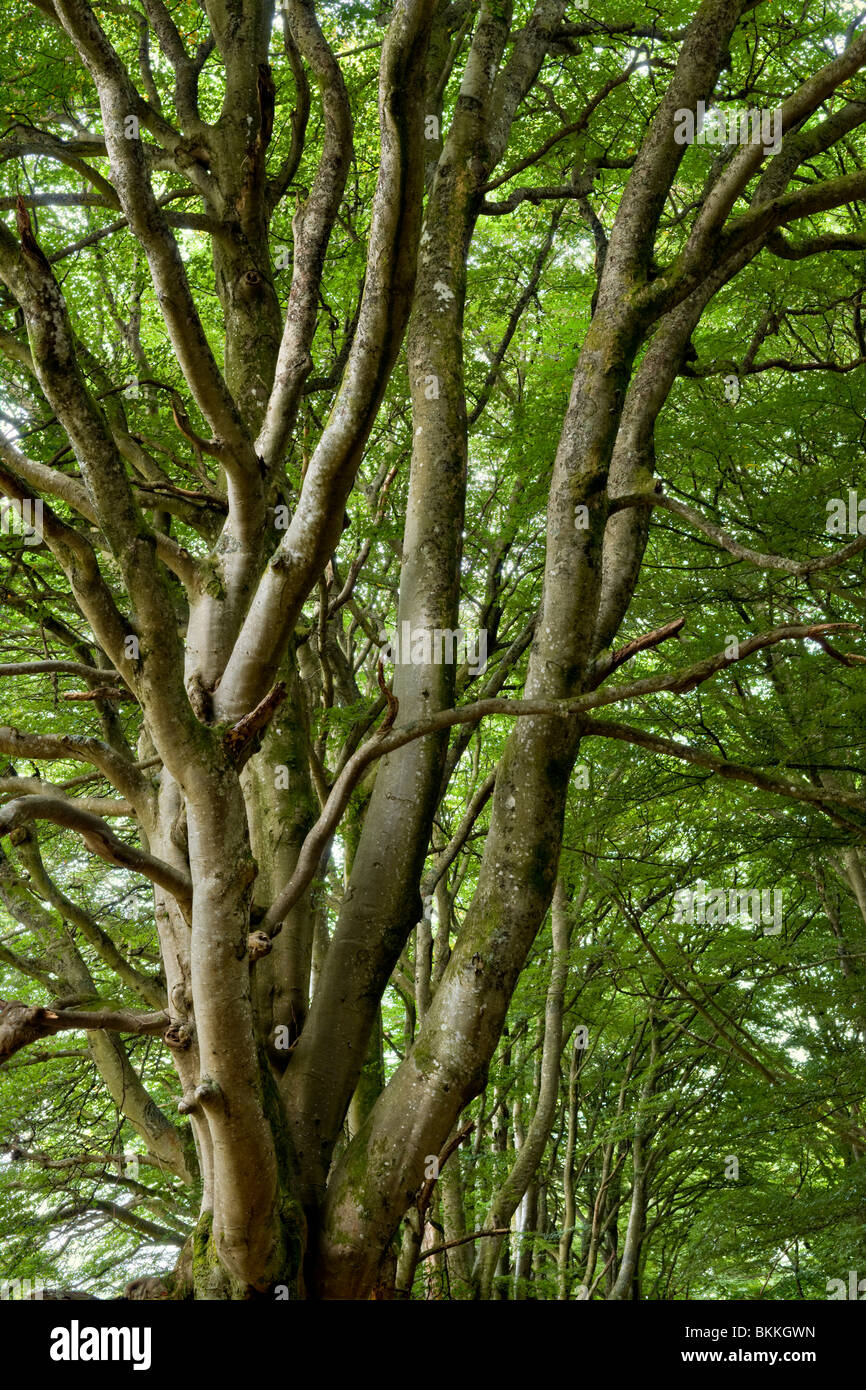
330	341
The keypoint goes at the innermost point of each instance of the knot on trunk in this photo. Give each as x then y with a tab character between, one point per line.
259	944
206	1090
177	1036
250	286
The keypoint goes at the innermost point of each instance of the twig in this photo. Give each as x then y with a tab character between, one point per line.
463	1240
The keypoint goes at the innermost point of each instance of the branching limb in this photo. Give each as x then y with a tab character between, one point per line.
831	803
446	858
121	773
391	267
125	1216
93	805
312	224
22	1024
143	985
798	568
678	682
648	642
118	99
99	838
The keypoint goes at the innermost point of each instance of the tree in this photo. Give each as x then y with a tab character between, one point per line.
280	413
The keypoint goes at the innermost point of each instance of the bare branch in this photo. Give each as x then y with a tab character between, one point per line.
122	774
799	568
99	838
831	803
650	640
93	805
23	1024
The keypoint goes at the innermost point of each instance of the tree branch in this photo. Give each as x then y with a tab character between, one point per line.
829	802
22	1024
679	682
99	838
799	568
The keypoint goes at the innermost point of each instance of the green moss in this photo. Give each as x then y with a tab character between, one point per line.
212	580
293	1222
210	1281
200	1275
180	1282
